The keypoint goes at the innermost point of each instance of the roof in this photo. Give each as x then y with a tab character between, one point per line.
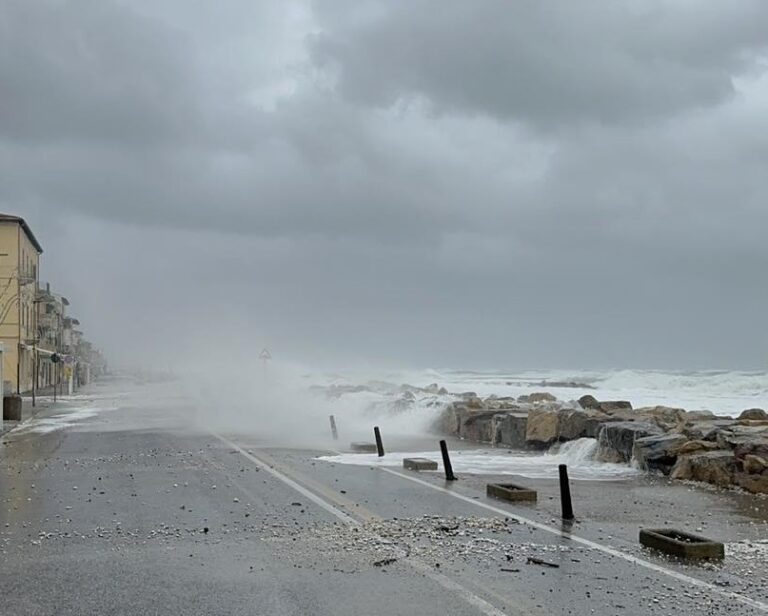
19	220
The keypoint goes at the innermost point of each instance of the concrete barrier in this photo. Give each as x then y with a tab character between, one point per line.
510	492
680	543
419	464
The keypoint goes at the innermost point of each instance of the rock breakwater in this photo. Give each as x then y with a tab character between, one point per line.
688	445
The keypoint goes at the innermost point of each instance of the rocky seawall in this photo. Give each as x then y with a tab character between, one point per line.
688	445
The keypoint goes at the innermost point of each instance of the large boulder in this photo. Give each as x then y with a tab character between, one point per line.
688	447
608	406
656	453
579	424
739	436
754	465
543	428
757	484
699	415
589	402
450	420
512	430
753	447
715	467
753	414
614	406
705	430
537	398
478	426
493	402
474	403
617	439
667	418
572	424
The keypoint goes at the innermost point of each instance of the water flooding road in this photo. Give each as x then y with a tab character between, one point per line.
131	508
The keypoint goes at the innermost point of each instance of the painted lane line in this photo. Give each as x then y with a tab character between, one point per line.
290	482
591	544
467	595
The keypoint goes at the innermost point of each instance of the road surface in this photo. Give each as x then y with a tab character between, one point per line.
121	502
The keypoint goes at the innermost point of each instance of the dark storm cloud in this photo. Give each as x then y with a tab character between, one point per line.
443	183
91	70
547	63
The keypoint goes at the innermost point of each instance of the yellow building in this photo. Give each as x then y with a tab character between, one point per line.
19	264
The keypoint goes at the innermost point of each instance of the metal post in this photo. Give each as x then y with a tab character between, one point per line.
334	432
34	375
449	476
565	493
379	444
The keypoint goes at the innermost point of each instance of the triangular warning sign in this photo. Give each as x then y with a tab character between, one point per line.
265	354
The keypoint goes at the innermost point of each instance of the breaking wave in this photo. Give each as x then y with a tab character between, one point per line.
578	455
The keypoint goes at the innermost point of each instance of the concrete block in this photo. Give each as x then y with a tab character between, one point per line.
512	430
510	492
680	543
419	464
364	447
12	408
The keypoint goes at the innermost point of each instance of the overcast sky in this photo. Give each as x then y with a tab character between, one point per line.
508	184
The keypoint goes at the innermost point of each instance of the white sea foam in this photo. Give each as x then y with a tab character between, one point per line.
722	392
63	419
578	455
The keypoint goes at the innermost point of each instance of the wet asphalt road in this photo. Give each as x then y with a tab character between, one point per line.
133	510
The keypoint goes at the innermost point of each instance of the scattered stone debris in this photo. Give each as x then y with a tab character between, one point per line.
532	560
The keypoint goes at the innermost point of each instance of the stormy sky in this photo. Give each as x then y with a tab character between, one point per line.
495	184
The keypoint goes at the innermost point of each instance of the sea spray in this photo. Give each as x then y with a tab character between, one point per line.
578	455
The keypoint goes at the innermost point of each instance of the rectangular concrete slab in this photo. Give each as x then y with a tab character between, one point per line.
510	492
680	543
419	464
364	447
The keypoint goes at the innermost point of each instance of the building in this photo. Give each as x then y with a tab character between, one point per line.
40	343
51	316
19	265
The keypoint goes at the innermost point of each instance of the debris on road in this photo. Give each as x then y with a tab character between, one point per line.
532	560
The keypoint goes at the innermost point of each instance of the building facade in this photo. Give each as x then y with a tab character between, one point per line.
51	316
19	265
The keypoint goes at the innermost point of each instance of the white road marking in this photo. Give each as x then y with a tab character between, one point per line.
290	482
591	544
467	595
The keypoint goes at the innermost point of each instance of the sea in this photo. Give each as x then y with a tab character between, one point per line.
366	396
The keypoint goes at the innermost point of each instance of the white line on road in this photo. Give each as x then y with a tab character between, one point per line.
467	595
290	482
591	544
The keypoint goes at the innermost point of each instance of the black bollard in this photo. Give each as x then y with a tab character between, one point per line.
565	493
449	476
379	445
334	432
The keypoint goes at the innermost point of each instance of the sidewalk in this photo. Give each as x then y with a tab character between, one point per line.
27	411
